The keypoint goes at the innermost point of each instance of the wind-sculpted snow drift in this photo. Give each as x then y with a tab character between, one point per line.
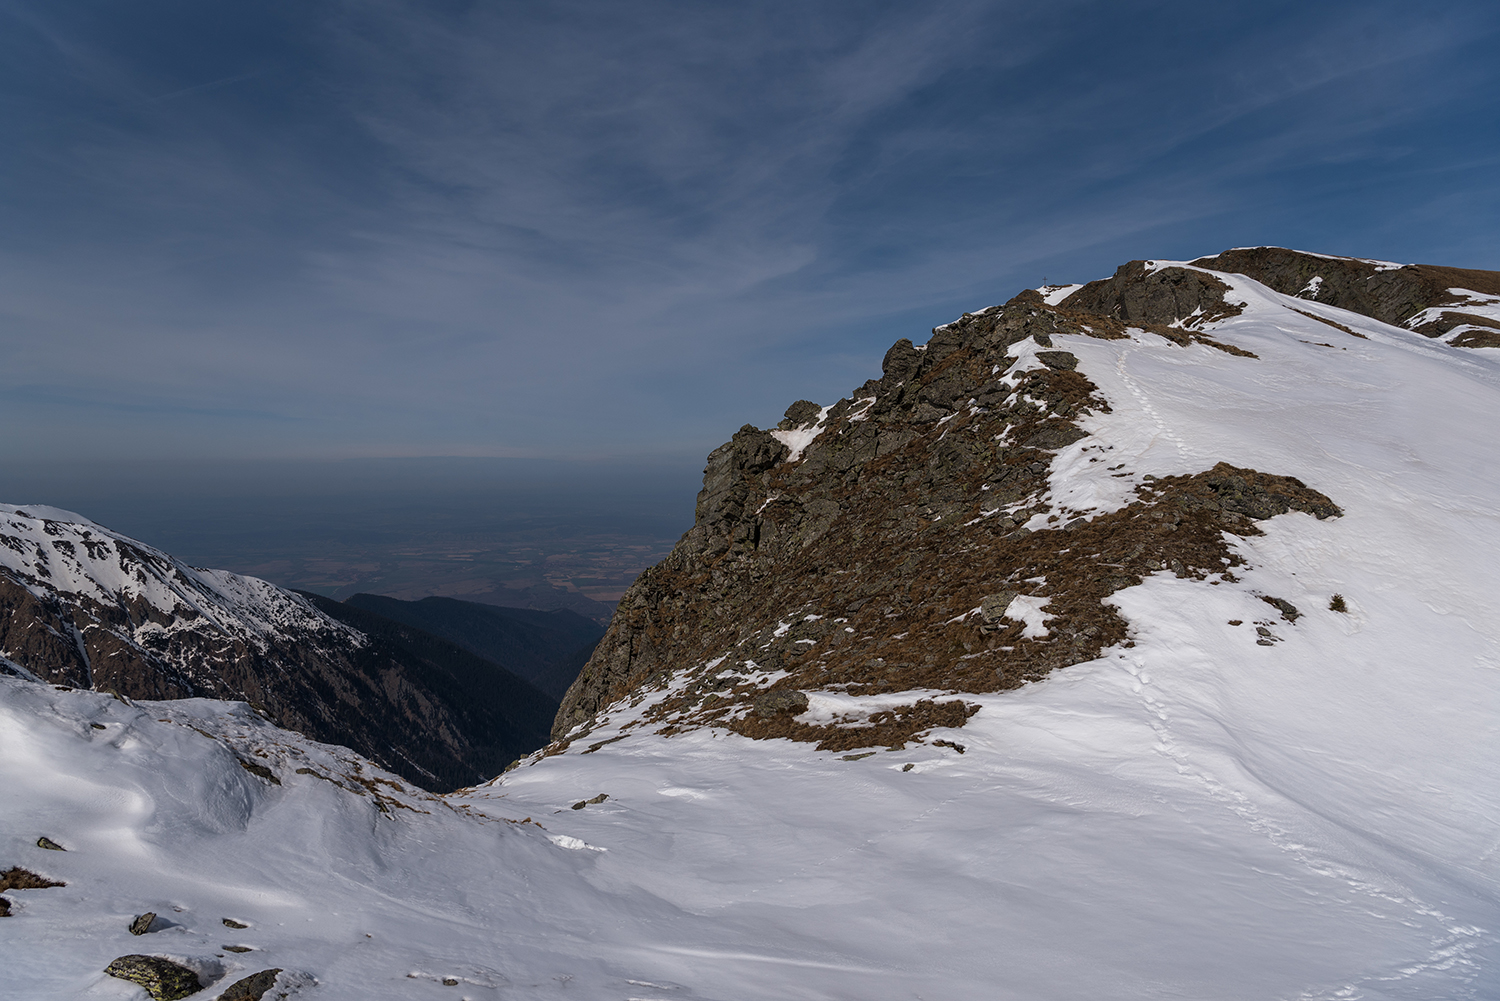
1132	640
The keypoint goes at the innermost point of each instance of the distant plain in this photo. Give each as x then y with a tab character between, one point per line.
520	532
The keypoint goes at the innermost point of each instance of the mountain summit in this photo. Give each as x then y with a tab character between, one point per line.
961	523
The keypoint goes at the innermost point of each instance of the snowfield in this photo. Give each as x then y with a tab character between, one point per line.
1272	809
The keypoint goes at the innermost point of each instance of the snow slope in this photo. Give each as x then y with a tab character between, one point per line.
1198	815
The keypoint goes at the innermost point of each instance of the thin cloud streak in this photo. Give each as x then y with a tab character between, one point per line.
211	85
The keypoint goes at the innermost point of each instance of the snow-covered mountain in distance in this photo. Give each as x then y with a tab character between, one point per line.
1270	771
87	607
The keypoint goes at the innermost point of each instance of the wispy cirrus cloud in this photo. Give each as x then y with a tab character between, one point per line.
584	226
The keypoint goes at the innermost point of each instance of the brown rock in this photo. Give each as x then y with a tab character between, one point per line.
16	878
251	988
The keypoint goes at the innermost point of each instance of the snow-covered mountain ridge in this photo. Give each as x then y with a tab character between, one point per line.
86	607
141	604
1459	306
1221	796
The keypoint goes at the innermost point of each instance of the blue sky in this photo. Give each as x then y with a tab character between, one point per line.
321	229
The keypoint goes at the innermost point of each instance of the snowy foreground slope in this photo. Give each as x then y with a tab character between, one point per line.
1193	814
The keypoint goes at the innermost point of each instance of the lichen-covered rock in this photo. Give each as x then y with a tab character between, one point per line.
1058	359
779	703
163	979
49	844
142	923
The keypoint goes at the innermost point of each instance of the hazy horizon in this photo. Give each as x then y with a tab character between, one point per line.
479	529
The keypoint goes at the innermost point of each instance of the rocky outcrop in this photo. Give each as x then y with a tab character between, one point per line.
1140	293
1409	295
904	538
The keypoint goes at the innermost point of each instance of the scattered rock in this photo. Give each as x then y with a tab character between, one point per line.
4	908
260	770
1062	360
16	878
237	948
142	923
251	988
163	979
856	757
450	982
49	844
1337	604
586	802
1286	608
884	727
232	923
960	748
908	766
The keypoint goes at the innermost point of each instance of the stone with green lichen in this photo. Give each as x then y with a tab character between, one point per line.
163	979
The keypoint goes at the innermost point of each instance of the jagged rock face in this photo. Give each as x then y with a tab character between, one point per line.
1413	295
1141	295
85	607
879	546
